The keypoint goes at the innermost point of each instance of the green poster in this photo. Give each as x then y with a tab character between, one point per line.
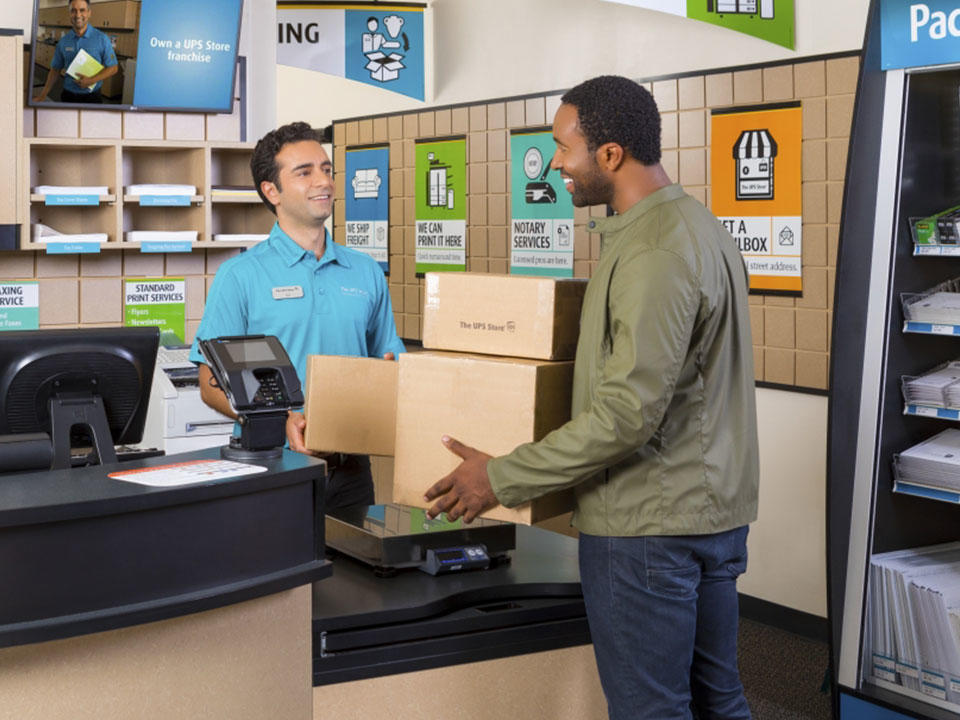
20	305
159	302
541	230
441	204
770	20
420	523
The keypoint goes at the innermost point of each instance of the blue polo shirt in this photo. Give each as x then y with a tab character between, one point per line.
97	45
337	305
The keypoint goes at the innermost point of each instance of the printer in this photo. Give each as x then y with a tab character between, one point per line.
177	418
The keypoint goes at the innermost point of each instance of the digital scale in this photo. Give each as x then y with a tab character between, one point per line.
392	537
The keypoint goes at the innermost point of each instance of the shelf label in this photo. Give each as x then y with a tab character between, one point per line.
933	684
954	685
72	248
148	246
908	670
923	410
943	329
884	668
164	200
71	200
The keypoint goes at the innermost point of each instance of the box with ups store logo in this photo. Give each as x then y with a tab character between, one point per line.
514	315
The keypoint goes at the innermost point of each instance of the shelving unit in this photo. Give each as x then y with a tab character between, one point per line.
904	162
118	164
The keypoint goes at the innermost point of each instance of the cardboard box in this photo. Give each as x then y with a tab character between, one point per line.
510	315
351	404
491	403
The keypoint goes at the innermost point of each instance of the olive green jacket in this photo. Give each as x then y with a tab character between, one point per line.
663	435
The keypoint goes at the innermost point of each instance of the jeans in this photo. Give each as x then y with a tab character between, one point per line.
663	615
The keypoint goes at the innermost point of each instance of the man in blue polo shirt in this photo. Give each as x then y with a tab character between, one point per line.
81	36
317	297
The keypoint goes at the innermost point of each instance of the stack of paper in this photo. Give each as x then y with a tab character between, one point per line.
71	190
162	189
83	65
234	191
46	234
939	307
914	619
239	237
161	236
935	462
939	387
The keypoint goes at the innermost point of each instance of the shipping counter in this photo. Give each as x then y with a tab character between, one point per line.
121	599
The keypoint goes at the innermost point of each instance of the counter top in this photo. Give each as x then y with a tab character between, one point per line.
81	552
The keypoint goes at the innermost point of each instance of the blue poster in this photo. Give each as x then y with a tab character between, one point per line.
385	49
914	34
367	202
186	54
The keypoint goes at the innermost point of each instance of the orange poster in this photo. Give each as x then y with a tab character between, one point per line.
755	159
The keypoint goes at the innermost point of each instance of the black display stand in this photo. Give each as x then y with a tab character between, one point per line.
904	162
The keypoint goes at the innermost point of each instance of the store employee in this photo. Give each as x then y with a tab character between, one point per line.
82	36
316	297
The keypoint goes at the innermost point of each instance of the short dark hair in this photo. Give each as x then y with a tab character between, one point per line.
615	109
263	162
86	1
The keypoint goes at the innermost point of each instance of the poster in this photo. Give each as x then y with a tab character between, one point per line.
377	44
755	159
770	20
441	204
159	302
20	305
187	53
541	229
367	201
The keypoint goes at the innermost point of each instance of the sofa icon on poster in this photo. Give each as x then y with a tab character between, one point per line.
384	53
754	152
366	183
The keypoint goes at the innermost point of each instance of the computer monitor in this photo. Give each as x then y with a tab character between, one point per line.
66	383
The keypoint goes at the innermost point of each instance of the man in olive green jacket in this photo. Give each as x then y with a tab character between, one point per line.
662	445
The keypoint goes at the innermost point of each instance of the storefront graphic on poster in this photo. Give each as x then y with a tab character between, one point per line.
541	230
756	191
440	203
19	305
159	302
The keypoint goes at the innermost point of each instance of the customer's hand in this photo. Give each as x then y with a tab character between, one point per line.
466	491
296	425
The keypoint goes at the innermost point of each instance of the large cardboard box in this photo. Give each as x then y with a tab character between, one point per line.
351	404
490	403
510	315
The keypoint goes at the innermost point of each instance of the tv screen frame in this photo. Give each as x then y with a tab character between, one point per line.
198	107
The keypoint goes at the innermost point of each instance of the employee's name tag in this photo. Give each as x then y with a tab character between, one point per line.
285	293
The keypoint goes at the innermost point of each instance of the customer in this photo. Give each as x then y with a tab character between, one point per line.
81	36
662	444
317	297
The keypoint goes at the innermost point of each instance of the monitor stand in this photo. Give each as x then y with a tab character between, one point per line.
67	410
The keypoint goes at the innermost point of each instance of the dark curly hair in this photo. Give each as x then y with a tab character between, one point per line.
615	109
263	162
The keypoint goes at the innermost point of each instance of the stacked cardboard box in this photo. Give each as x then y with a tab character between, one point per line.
498	372
508	383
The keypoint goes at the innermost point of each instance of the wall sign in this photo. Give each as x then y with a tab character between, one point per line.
755	159
441	204
20	305
379	44
770	20
541	230
367	201
159	302
914	34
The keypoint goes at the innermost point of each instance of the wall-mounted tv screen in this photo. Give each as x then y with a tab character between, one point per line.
172	55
